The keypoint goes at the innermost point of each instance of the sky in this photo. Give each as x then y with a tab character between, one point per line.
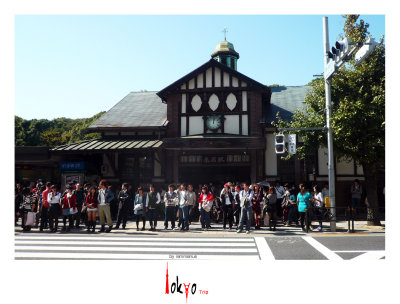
78	65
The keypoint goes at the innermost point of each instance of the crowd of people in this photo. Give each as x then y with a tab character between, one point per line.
236	206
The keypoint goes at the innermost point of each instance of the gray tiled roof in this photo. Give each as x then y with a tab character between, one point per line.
137	109
285	100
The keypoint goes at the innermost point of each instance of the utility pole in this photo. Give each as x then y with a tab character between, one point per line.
331	164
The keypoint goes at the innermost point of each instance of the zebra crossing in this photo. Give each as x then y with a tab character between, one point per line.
130	247
134	247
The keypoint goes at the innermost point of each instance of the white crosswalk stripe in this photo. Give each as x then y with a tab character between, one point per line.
127	247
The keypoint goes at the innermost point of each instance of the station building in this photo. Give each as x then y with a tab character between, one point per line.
211	125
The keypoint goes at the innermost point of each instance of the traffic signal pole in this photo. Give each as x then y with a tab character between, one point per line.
331	164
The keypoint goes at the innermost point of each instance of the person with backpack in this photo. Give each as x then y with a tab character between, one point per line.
303	203
245	196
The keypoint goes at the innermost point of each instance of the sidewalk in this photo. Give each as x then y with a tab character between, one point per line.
360	227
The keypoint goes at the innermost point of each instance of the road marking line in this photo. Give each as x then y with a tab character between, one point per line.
264	249
161	239
356	251
19	243
136	249
370	255
329	254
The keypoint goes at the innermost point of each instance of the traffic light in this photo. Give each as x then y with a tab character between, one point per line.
340	50
365	50
279	144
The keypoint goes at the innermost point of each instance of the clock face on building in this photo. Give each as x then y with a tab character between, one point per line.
213	122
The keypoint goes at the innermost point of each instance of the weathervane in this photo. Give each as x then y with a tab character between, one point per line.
225	30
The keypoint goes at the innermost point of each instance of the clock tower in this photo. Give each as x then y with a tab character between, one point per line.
225	53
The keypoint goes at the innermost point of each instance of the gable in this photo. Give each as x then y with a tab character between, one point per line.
212	74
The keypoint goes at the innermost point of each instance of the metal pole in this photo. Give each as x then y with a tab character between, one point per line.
331	168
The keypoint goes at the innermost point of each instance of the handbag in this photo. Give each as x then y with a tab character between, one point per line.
30	218
138	207
244	202
207	206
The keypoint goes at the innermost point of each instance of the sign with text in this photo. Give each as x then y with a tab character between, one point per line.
72	166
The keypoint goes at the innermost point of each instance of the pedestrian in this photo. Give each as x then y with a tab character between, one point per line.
140	208
91	204
183	207
356	192
105	196
245	196
279	191
28	205
84	212
170	200
18	203
325	192
318	205
123	198
285	204
236	205
191	202
45	207
272	207
291	206
205	201
55	210
303	203
38	208
69	208
256	205
153	200
80	197
227	201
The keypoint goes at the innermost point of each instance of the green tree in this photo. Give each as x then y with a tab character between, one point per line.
54	132
358	113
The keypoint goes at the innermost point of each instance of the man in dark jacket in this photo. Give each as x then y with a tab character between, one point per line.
80	199
124	197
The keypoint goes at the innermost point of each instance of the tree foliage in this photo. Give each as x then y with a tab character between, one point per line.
358	109
54	132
